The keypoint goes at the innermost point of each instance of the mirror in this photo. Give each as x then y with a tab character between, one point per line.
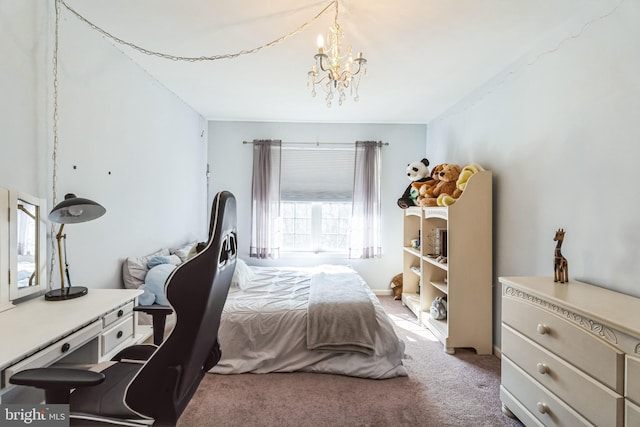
27	237
27	244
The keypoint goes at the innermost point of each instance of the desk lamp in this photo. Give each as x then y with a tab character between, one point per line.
71	211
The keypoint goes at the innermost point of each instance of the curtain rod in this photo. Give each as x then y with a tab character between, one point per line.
316	143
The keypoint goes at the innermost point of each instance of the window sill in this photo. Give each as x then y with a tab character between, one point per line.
290	255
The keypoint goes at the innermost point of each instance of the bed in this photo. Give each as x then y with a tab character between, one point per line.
265	325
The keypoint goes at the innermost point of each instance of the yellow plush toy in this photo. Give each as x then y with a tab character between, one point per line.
465	174
445	200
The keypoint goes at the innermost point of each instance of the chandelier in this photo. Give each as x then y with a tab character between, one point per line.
336	71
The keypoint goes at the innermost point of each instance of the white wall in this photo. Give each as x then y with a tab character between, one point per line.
231	164
560	131
22	49
125	142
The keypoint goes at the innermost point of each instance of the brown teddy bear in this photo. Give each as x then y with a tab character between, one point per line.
447	178
396	286
425	189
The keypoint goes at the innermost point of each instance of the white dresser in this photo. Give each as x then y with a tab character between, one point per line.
570	354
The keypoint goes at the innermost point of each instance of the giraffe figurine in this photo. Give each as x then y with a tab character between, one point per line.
560	264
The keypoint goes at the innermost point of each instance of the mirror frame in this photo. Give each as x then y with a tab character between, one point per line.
5	303
15	292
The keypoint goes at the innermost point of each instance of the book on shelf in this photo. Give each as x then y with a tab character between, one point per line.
443	242
440	242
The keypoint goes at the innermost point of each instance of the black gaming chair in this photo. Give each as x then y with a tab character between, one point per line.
149	384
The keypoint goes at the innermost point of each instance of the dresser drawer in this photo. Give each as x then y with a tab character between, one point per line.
585	351
515	408
544	405
117	335
117	314
632	379
55	351
631	415
597	403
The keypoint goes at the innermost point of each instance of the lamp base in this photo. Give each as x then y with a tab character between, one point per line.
68	292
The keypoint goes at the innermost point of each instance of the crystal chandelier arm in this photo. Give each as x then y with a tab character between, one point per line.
314	78
320	58
361	62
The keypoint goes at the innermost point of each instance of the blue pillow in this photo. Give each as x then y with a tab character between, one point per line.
157	260
153	286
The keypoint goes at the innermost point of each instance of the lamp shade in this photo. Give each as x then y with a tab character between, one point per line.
73	210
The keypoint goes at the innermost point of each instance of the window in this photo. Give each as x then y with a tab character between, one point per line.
316	197
315	226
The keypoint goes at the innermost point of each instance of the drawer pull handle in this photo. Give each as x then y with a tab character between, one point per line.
542	329
119	334
542	368
65	347
120	313
543	408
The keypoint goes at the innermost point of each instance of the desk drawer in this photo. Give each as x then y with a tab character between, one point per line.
583	349
117	314
596	402
544	405
117	335
56	351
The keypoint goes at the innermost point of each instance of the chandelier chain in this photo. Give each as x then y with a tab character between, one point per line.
198	58
54	151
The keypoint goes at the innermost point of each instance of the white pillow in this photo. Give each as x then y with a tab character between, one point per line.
183	251
134	270
242	275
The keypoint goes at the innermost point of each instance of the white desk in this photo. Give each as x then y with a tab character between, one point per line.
89	329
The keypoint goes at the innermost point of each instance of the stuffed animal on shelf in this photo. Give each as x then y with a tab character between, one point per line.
396	286
425	188
447	177
417	172
438	309
467	172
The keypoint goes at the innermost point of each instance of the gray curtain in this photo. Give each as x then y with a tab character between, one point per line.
265	200
365	239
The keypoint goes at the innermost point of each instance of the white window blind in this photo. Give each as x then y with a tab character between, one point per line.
317	173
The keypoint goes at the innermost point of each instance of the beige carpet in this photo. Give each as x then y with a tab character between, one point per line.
441	390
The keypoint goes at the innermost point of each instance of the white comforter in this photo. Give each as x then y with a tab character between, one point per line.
264	330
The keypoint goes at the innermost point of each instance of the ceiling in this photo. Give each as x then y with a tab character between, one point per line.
423	55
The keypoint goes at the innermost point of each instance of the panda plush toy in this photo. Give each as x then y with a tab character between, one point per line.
417	172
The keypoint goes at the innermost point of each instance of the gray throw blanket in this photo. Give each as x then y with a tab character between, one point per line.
340	315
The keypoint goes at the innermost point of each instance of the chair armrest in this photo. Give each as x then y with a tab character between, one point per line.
140	352
154	309
159	315
57	383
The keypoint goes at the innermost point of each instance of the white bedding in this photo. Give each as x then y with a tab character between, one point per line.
264	330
